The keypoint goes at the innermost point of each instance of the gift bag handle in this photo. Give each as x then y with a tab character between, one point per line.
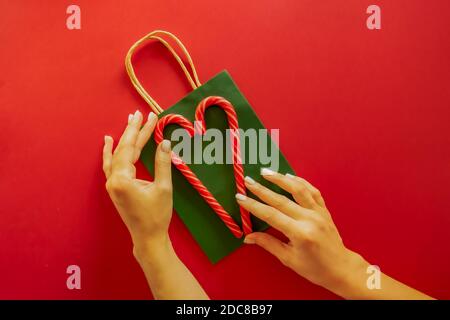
155	35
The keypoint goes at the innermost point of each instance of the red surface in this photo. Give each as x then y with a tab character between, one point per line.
362	114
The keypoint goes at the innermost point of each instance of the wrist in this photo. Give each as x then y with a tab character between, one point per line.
352	276
151	249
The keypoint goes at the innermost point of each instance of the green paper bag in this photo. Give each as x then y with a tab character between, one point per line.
209	231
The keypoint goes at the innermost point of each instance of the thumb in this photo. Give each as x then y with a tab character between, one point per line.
268	242
163	165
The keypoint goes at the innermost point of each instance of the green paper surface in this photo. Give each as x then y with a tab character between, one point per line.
209	231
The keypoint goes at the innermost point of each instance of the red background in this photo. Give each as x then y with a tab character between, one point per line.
362	114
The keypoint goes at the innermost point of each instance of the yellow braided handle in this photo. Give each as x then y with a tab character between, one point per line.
155	35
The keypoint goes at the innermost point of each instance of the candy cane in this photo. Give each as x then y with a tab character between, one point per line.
190	176
236	145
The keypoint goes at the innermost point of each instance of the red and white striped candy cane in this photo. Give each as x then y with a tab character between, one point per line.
192	178
226	106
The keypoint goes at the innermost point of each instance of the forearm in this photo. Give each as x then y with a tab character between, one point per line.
354	285
167	276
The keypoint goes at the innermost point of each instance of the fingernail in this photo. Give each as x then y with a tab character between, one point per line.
106	138
240	196
165	146
266	172
249	180
151	116
130	117
248	240
137	116
289	175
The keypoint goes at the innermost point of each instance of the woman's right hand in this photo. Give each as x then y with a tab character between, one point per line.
315	249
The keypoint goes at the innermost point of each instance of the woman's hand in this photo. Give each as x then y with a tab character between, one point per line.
315	249
145	207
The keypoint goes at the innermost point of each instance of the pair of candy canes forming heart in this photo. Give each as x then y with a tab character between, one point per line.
199	128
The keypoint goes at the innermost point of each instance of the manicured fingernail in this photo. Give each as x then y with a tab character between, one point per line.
130	117
137	116
266	172
240	196
248	240
151	116
165	145
249	180
289	175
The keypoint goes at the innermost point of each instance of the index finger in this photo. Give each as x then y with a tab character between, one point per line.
272	216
